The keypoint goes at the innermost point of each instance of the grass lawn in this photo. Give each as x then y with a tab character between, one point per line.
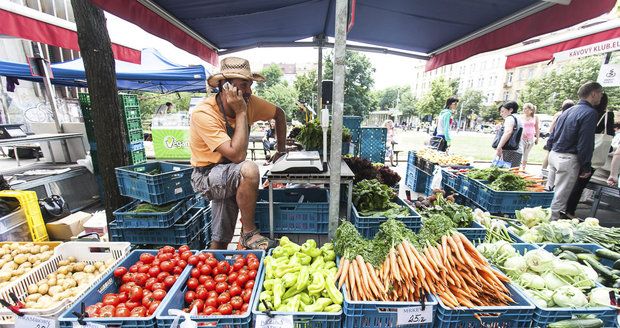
469	144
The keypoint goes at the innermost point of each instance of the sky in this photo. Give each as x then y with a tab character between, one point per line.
390	70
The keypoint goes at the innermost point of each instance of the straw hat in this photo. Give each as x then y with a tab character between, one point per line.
234	68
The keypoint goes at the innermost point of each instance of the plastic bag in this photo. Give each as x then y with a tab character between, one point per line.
437	178
499	162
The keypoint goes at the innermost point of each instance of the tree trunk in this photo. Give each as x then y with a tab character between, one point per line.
110	130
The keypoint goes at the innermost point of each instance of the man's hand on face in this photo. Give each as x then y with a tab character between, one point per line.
234	98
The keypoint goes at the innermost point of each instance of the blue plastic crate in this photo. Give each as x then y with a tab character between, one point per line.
470	188
475	232
109	284
125	218
372	144
173	183
514	316
410	180
509	201
301	319
421	182
183	232
295	210
410	158
360	314
133	146
450	179
177	301
516	238
353	123
368	226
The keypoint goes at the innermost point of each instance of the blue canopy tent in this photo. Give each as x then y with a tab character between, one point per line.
154	74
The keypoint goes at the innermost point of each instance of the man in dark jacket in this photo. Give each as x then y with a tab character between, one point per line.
572	144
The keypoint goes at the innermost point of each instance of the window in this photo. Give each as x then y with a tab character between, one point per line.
509	77
530	73
480	82
506	95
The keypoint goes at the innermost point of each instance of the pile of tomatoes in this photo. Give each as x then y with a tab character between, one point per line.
144	285
219	287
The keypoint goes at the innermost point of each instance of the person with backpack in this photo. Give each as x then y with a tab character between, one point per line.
508	145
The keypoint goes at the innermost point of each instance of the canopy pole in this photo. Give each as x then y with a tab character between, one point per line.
337	109
319	79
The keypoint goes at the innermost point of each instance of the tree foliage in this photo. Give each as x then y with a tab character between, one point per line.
150	102
399	97
470	105
435	100
358	99
283	96
306	85
273	75
550	90
408	103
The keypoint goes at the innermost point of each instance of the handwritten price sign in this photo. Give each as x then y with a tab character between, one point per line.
29	321
414	316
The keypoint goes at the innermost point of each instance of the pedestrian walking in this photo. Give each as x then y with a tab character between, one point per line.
531	131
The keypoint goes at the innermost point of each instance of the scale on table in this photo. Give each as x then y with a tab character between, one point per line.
9	131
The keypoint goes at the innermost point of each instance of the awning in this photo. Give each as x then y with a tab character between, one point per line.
20	21
449	30
546	53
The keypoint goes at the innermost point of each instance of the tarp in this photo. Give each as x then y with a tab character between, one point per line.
450	30
155	74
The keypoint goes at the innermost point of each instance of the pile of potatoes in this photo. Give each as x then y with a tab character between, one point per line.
17	259
69	280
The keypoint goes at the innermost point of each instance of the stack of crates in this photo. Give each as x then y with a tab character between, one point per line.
29	204
182	220
135	135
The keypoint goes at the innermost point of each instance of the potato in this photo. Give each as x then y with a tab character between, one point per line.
13	246
55	290
26	265
7	257
63	270
63	263
45	248
18	272
33	297
20	258
89	268
52	282
43	289
5	276
72	259
32	289
79	266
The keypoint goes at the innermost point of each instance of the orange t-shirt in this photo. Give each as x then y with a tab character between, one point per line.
207	128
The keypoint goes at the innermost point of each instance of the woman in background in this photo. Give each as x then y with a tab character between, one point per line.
390	141
531	131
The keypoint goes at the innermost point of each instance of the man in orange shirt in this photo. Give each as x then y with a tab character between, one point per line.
219	132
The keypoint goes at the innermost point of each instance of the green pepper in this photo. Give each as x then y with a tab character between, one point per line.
268	267
289	279
278	291
291	292
289	247
318	305
303	259
333	271
278	252
334	294
302	278
265	295
317	285
262	308
309	248
289	268
305	298
333	308
317	263
268	284
327	246
329	265
291	305
329	255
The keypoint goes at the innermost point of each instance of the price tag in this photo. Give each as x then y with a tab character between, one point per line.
178	191
279	321
414	315
30	321
87	325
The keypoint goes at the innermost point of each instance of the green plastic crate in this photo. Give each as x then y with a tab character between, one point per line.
138	156
84	99
132	112
135	135
128	100
134	124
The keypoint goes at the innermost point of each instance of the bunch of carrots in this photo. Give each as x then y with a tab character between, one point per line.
452	269
536	184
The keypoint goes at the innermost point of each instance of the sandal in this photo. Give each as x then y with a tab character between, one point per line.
262	243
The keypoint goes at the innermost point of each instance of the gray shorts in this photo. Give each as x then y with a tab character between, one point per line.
219	185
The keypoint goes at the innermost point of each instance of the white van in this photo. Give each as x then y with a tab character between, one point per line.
544	122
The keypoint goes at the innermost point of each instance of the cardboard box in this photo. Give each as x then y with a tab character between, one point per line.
67	227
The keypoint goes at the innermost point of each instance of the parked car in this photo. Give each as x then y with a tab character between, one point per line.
545	125
485	128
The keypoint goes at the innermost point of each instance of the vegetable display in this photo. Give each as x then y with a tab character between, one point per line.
497	228
17	259
311	135
398	265
218	287
500	179
363	169
301	279
446	211
441	158
67	282
609	276
150	208
548	280
143	285
372	198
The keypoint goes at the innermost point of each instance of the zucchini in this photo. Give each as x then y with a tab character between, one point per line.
557	251
615	272
607	254
568	255
582	257
577	323
616	265
616	284
575	249
598	267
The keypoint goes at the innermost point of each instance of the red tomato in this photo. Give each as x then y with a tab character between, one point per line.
242	279
209	254
183	249
124	288
249	284
122	312
107	311
253	264
178	270
225	309
147	300
169	281
153	307
192	260
110	299
149	283
203	279
158	285
235	291
122	297
202	293
205	270
246	294
251	256
192	283
190	296
202	257
233	276
198	304
128	277
167	249
92	310
236	302
154	271
139	311
133	268
211	301
208	310
223	298
195	272
252	274
132	304
211	261
166	266
120	271
147	258
159	294
212	294
223	266
238	265
143	268
210	285
140	279
136	293
185	255
244	308
221	278
221	287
